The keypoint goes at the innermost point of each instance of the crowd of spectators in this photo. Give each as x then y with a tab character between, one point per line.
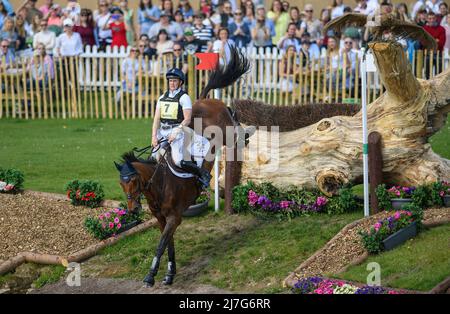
178	29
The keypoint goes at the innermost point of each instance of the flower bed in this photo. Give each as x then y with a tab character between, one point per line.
111	222
86	193
424	196
265	200
11	180
319	285
373	240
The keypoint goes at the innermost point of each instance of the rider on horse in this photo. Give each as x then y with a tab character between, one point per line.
173	113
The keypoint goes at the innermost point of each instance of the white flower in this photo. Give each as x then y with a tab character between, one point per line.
345	289
2	185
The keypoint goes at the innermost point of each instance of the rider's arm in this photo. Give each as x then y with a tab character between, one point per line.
156	122
186	103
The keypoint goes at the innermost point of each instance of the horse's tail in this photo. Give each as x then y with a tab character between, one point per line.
225	76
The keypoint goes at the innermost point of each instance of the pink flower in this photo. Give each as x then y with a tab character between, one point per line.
397	216
441	193
111	225
100	217
116	210
377	226
393	292
119	226
122	212
252	198
103	225
284	204
107	215
397	193
321	201
116	220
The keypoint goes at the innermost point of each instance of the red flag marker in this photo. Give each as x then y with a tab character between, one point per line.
208	60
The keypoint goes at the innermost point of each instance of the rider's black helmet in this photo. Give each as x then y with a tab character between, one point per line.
175	73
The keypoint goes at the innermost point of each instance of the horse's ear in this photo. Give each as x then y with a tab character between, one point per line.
119	167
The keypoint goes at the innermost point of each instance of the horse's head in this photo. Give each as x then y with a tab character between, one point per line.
131	184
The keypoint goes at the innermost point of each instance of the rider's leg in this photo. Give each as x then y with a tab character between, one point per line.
204	175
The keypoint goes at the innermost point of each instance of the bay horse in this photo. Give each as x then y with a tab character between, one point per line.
168	196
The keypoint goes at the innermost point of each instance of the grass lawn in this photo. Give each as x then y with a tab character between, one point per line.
52	152
419	264
238	252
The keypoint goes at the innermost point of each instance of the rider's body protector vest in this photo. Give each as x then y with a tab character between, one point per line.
171	109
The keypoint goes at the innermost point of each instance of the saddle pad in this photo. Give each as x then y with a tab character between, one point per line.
183	175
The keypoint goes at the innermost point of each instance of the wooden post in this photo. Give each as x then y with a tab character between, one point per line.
230	177
375	168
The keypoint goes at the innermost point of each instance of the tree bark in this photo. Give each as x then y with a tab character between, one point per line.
329	153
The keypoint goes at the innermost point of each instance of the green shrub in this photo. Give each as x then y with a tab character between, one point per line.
11	180
344	202
85	192
384	200
417	214
422	196
240	197
435	193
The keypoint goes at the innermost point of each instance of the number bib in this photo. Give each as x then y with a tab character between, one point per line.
169	110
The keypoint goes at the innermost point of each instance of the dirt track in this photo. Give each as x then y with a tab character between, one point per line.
122	286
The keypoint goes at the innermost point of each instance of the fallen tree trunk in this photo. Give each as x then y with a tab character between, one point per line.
328	153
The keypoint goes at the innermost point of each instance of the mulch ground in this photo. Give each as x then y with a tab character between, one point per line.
347	247
29	222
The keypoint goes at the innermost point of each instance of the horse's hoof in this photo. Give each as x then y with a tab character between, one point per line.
168	280
149	281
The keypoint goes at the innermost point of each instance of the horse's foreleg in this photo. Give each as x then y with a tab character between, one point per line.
171	225
171	266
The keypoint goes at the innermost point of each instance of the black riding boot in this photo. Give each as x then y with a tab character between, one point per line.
203	175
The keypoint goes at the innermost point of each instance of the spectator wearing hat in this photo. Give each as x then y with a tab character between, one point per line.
174	30
164	44
118	28
148	14
69	43
46	38
192	44
312	25
202	32
239	30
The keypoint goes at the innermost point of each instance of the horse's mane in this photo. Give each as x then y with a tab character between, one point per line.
129	157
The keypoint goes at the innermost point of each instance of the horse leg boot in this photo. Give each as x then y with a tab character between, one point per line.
168	232
171	266
203	175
